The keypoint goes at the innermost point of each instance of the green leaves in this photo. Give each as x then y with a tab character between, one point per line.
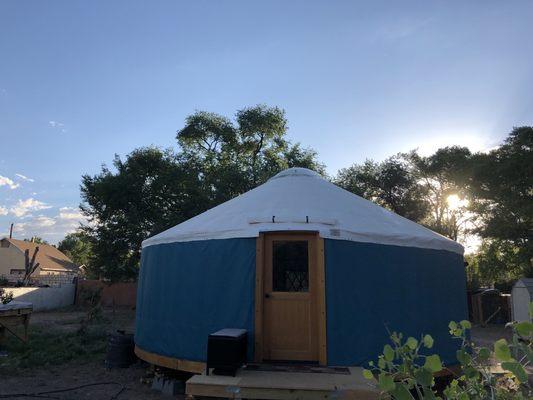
412	343
424	377
385	382
388	353
463	357
368	374
502	351
524	328
433	363
484	353
516	369
465	324
402	368
428	341
400	392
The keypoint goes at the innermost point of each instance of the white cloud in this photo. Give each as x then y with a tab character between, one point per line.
42	221
70	213
23	207
3	210
25	178
5	181
57	125
51	228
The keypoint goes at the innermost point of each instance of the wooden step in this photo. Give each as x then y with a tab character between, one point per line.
283	385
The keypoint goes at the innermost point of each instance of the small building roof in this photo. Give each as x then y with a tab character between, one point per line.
299	199
49	257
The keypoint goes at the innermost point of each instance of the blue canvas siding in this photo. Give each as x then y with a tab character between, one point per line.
188	290
371	288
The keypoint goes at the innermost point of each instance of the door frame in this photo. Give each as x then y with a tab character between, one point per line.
320	295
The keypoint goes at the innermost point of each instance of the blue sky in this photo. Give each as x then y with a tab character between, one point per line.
83	80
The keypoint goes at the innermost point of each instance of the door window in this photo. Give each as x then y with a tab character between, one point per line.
290	266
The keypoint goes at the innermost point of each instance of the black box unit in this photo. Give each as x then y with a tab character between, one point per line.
226	351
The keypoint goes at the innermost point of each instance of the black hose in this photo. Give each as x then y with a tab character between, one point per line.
44	394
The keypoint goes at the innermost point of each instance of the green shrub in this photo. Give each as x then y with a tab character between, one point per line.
404	373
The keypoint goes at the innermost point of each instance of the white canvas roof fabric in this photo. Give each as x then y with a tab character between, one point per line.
299	199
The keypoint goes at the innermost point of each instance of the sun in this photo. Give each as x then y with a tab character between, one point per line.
455	202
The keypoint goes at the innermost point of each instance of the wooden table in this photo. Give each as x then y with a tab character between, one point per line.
13	314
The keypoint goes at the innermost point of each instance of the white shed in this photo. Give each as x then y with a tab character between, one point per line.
521	296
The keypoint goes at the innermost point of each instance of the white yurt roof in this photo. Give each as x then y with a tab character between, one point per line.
299	199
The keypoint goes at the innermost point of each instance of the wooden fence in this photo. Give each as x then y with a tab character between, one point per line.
121	294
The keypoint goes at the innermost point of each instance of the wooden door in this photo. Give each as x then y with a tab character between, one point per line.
290	297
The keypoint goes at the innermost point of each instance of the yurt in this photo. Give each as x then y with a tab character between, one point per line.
313	273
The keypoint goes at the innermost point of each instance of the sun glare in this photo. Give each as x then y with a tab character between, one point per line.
455	202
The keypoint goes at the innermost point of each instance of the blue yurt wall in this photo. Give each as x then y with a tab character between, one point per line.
188	290
371	288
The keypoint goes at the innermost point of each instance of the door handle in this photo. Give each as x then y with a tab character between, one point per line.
267	296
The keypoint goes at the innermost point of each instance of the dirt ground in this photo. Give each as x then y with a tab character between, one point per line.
129	383
126	383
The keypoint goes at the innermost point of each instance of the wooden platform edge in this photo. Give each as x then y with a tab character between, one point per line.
235	392
195	367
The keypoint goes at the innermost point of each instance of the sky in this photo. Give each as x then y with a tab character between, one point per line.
81	81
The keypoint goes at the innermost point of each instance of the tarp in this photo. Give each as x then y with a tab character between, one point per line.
299	199
374	288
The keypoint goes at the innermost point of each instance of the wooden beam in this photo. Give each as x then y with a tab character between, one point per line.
196	367
259	273
321	299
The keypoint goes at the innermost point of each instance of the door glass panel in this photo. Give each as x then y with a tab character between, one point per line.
290	266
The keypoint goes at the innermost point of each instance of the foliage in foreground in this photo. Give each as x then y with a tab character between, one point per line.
404	373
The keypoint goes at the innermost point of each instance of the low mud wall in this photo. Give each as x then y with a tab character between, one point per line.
45	298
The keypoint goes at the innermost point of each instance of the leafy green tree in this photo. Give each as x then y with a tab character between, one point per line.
37	240
444	176
235	157
390	184
153	190
78	247
502	199
148	192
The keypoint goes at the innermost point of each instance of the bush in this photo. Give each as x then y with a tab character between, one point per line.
5	297
404	373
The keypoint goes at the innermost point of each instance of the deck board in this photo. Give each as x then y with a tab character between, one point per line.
283	385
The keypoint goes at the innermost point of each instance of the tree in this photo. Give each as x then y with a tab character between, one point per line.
37	240
153	190
502	199
148	192
78	247
444	176
390	184
235	157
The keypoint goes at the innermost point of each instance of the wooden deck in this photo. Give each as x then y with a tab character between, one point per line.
283	385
